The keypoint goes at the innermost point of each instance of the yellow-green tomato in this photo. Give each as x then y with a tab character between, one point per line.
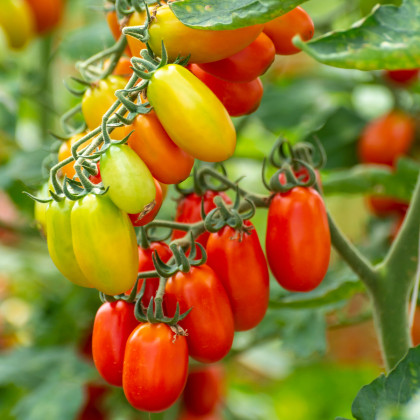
131	185
40	210
191	114
105	244
60	242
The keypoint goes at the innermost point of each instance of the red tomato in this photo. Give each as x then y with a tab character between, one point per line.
298	242
189	211
387	138
47	13
155	367
210	324
282	30
246	284
384	206
246	65
238	98
205	389
114	322
96	179
402	77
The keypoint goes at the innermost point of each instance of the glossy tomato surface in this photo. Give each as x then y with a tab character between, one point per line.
247	64
238	98
114	322
298	242
210	324
47	14
155	367
239	262
191	114
284	28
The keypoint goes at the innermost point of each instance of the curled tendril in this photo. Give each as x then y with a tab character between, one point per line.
285	179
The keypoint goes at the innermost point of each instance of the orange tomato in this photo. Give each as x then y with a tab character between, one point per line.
114	27
65	152
47	14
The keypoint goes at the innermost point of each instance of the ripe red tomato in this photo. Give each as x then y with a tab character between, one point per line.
247	284
402	77
155	367
114	322
387	138
247	64
210	324
189	211
47	13
282	30
384	206
238	98
298	242
205	389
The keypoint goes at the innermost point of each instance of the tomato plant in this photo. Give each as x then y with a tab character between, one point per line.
65	152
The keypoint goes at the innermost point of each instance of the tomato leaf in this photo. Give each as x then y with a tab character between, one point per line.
389	38
226	14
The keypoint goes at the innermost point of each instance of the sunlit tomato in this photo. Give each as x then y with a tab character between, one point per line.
298	242
191	114
155	367
166	161
17	21
210	324
65	152
105	244
114	322
98	99
387	138
282	30
247	64
186	415
141	219
123	67
238	98
47	14
205	389
131	185
246	284
402	77
135	45
60	242
384	206
189	211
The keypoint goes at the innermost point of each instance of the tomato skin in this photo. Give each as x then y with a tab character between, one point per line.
205	389
108	257
402	77
191	114
155	367
114	27
189	211
47	14
203	45
247	285
247	64
114	322
131	185
65	152
60	242
210	323
135	45
166	161
238	98
298	242
282	29
385	206
387	138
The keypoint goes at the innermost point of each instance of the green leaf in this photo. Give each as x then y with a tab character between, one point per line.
389	38
227	14
396	390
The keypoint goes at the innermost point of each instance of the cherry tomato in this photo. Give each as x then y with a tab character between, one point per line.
205	389
115	28
191	114
114	322
47	14
135	45
204	46
123	67
105	244
65	152
166	161
298	242
155	367
384	206
210	324
131	185
402	77
247	64
247	285
238	98
282	30
189	211
98	99
387	138
96	179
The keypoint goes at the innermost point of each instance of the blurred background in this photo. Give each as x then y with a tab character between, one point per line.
303	361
